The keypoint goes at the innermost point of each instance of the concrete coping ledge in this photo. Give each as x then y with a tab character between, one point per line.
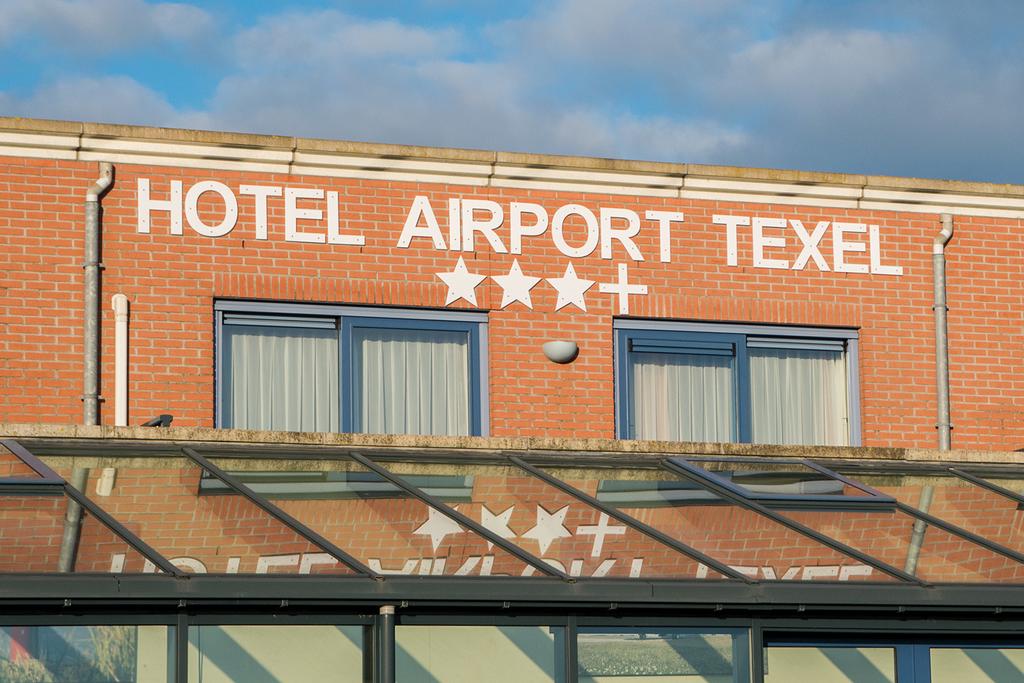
609	447
80	130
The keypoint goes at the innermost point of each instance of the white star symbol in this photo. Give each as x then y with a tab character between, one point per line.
437	527
497	524
461	283
550	526
570	289
515	286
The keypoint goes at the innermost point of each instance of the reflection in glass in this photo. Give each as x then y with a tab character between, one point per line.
745	540
916	547
664	655
277	654
830	664
470	654
551	524
216	532
959	502
31	530
977	665
782	478
86	654
11	466
380	524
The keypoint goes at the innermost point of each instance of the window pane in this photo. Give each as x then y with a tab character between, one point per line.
957	501
470	654
31	539
830	664
86	654
276	654
777	478
977	665
378	523
684	397
281	378
411	381
903	541
747	541
552	525
198	528
798	397
12	467
665	655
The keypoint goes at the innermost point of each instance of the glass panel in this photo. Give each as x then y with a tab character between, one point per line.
916	547
665	655
411	381
31	530
198	531
378	523
11	466
777	478
743	539
86	654
277	654
798	396
977	665
470	654
684	397
957	501
555	526
830	664
282	378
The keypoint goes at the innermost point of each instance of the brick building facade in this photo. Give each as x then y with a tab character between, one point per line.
298	305
173	280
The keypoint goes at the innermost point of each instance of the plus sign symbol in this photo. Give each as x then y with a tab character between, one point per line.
623	288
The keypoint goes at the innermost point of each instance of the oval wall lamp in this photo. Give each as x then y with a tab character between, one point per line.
561	352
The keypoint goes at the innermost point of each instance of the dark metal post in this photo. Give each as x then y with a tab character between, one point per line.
386	645
181	648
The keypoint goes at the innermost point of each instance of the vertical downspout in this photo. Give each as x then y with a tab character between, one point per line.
91	379
943	422
941	339
91	393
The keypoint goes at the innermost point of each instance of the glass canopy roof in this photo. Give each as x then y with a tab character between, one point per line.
575	517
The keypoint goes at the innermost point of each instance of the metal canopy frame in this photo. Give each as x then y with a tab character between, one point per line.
736	594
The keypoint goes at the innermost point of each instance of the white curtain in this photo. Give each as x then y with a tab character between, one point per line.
412	381
684	397
281	378
798	397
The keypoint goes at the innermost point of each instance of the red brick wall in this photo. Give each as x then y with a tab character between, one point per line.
172	282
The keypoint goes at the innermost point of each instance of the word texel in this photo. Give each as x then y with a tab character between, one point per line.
841	244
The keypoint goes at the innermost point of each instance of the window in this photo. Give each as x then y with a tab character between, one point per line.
778	385
328	369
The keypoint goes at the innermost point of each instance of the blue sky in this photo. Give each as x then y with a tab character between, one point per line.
930	88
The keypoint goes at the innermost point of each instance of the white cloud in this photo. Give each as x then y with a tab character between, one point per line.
104	26
716	81
110	99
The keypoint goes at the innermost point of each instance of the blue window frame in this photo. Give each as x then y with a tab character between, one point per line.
306	367
736	383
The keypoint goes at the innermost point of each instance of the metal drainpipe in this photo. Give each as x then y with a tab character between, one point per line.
91	394
941	338
943	424
91	380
